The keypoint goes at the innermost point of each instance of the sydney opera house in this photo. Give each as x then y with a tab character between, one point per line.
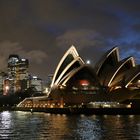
74	82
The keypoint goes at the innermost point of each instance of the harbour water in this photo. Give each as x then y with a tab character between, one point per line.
17	125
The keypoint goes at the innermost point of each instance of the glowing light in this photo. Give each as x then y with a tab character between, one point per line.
7	88
84	82
88	62
23	59
34	77
129	106
46	90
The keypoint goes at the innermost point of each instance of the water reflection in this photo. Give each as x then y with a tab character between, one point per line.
89	128
40	126
5	124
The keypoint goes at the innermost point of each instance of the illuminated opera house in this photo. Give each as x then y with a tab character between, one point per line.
77	83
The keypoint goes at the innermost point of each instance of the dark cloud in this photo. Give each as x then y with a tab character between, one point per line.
127	50
36	57
39	29
80	38
136	28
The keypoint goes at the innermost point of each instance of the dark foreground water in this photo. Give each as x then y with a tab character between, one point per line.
42	126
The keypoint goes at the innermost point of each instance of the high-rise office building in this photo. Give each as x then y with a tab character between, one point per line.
17	73
36	84
3	76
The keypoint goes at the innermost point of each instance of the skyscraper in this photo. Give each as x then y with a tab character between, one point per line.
17	73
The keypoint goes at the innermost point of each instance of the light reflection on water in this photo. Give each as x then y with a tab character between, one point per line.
43	126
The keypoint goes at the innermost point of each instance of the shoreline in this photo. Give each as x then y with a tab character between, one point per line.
86	111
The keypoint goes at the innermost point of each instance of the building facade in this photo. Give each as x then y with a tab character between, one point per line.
17	73
36	84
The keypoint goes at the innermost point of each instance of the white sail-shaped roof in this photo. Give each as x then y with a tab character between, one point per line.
132	75
122	64
77	62
130	80
68	57
89	71
112	55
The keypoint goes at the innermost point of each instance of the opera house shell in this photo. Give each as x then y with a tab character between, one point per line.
111	79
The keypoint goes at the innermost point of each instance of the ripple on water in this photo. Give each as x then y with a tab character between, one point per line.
40	126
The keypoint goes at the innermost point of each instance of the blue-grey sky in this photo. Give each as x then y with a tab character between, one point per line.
42	30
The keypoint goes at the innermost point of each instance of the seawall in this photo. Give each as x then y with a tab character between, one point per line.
88	111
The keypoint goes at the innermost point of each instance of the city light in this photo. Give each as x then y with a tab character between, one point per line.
34	77
47	90
7	88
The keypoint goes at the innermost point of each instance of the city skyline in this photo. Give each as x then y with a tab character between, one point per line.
38	30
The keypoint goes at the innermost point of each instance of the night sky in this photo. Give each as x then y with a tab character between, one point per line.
42	30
